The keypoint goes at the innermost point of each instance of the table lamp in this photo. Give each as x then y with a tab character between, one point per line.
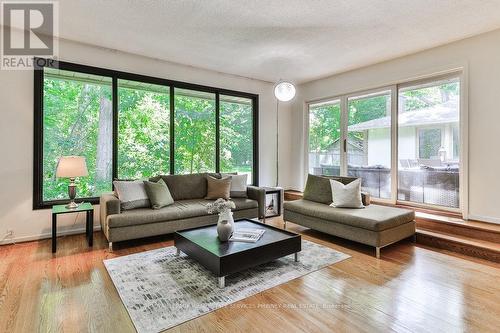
71	167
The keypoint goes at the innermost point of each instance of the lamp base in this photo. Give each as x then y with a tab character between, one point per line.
72	194
72	205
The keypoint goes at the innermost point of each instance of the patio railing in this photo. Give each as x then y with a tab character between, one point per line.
421	185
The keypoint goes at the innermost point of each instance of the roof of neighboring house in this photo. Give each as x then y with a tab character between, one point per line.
353	142
437	114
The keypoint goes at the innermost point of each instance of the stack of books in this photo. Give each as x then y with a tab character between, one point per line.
247	235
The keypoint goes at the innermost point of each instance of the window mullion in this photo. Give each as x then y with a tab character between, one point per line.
114	161
172	130
394	143
343	136
217	132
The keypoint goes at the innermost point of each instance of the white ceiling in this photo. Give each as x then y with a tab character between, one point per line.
299	40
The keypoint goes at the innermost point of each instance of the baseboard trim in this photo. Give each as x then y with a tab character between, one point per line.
481	218
31	238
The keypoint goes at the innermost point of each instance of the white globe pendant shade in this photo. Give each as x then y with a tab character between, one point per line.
284	91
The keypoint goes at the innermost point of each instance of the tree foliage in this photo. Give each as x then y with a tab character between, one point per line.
324	127
74	112
236	137
71	124
194	134
143	132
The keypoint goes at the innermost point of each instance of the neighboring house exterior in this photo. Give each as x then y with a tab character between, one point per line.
424	134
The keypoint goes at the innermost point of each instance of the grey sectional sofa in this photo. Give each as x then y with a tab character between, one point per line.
188	211
373	225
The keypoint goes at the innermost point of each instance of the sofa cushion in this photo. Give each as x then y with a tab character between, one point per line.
185	187
318	189
218	188
239	186
181	209
132	194
244	203
373	217
346	196
158	193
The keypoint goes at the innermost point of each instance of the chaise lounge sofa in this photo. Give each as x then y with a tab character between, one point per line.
373	225
188	211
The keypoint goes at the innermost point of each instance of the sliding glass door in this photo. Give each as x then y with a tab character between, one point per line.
403	141
429	143
325	142
369	142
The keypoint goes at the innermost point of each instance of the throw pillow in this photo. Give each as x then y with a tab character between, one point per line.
346	196
318	189
218	188
132	194
158	193
239	186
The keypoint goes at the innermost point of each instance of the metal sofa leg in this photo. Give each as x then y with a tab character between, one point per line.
377	252
284	226
110	246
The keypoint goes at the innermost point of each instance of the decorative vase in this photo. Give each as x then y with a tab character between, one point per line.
225	226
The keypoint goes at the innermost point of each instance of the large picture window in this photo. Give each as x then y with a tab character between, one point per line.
403	141
77	120
236	143
194	131
130	126
143	130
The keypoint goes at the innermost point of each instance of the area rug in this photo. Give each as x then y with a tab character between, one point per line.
161	290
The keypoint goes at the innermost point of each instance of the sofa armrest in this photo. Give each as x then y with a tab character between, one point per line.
258	194
109	205
366	198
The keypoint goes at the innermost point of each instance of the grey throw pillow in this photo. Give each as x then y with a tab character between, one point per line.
318	189
158	193
132	194
239	186
346	196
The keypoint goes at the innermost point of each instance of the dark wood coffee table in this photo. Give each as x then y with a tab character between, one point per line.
225	258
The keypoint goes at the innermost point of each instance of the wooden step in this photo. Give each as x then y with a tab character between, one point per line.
460	244
458	227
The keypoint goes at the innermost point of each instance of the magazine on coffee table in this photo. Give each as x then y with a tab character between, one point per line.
247	235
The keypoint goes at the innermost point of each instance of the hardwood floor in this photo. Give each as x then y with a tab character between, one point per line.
410	289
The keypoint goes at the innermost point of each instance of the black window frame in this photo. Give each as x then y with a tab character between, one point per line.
115	75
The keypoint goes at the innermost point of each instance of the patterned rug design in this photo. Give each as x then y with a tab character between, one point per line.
161	290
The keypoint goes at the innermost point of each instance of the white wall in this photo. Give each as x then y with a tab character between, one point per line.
16	131
480	56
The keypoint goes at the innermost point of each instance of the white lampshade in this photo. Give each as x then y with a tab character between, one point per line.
284	91
71	167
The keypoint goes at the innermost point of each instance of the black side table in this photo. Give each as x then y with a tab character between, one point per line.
83	207
274	201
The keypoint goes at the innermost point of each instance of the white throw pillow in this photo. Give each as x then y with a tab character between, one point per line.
239	186
346	196
132	194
